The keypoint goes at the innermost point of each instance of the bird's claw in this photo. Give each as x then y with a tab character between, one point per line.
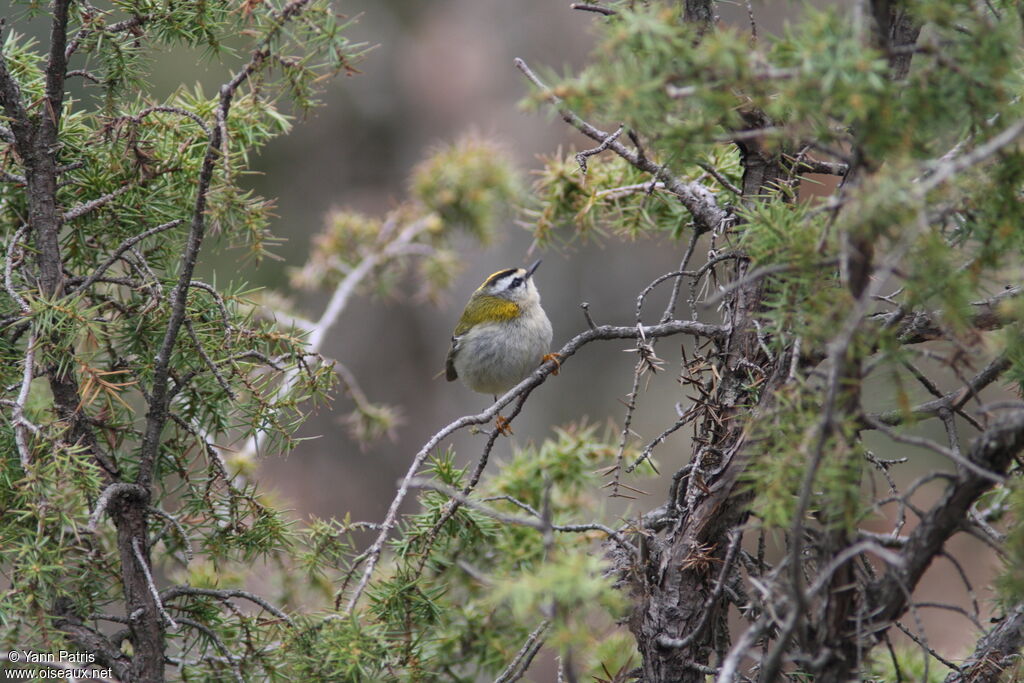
553	357
502	425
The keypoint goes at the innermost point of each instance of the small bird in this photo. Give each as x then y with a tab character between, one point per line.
502	336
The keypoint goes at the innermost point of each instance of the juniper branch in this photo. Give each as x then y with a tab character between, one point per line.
698	199
521	390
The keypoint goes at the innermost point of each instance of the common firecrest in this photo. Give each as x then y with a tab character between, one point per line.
503	333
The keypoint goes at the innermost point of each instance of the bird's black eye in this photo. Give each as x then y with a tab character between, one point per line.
515	283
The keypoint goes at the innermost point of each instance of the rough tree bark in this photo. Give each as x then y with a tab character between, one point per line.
36	136
700	13
679	619
680	614
35	129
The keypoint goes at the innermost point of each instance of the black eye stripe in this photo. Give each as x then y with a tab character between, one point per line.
499	275
515	283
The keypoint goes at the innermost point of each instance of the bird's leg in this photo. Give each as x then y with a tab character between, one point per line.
553	357
502	423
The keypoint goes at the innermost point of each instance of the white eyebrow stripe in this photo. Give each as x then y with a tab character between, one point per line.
505	282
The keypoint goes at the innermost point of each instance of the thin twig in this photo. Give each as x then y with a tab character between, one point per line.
12	247
581	157
697	198
586	314
947	169
149	580
922	442
177	527
230	659
339	301
517	520
94	204
521	662
626	422
211	366
588	7
953	400
723	181
226	594
762	272
658	440
453	504
87	75
121	249
173	110
522	389
21	424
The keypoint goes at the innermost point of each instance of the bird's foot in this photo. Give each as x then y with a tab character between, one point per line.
502	425
554	358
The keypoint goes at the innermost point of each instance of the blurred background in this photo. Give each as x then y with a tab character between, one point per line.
441	69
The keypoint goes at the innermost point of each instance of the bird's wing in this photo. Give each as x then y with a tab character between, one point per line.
449	363
461	328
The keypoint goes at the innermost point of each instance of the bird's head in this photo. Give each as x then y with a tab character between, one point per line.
513	284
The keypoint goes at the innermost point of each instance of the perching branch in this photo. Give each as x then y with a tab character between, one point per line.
521	390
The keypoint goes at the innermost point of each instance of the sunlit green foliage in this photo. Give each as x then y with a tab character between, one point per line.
612	199
129	158
460	588
464	594
908	663
468	184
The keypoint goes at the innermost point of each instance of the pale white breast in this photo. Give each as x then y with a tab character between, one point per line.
494	358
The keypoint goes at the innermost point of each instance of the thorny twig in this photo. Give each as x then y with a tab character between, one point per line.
523	389
698	199
581	157
539	524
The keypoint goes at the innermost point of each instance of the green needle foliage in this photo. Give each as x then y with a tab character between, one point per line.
901	272
848	194
466	586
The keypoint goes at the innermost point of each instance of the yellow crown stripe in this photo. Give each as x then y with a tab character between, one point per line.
498	275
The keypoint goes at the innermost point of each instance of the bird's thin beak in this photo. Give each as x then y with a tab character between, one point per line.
532	268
